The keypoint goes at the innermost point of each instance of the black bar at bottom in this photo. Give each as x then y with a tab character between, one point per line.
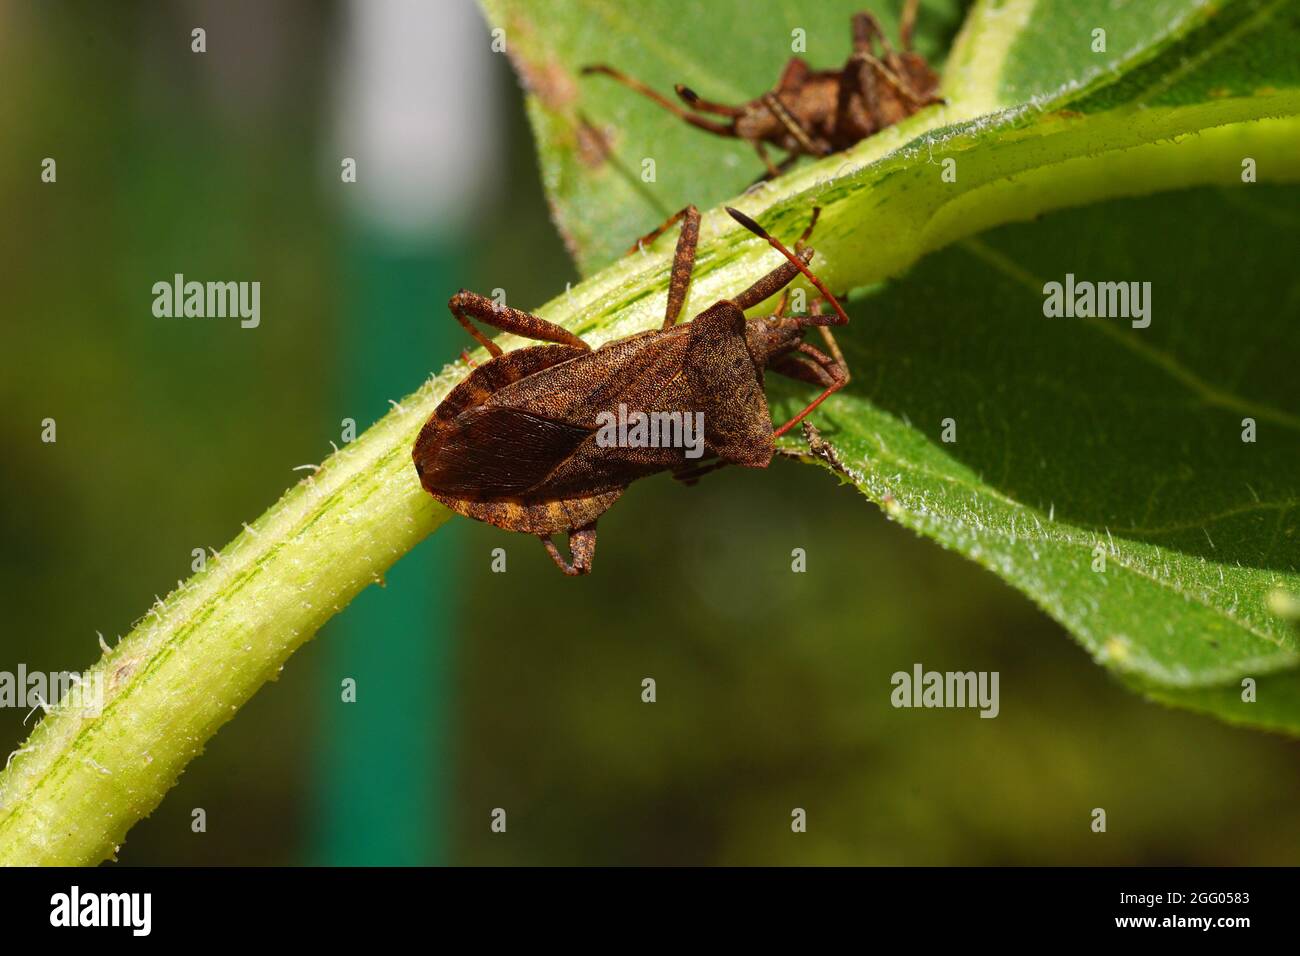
333	906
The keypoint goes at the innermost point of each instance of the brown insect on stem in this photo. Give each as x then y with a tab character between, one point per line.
816	112
527	441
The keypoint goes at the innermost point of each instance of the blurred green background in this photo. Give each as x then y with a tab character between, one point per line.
480	690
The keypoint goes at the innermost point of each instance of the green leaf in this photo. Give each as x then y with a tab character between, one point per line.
1075	434
1079	439
594	135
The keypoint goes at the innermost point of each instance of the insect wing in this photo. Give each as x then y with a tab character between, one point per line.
498	452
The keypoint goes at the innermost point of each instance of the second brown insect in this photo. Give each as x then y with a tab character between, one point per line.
816	112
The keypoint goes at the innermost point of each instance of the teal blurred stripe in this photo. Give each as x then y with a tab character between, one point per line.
383	770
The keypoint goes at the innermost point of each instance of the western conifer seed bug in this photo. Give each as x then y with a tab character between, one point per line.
817	112
526	441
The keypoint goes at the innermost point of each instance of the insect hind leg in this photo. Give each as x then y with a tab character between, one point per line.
582	547
466	305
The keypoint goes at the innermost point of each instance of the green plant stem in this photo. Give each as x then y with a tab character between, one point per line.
79	783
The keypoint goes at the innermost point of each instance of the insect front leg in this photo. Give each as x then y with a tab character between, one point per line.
828	337
683	258
465	305
815	367
582	546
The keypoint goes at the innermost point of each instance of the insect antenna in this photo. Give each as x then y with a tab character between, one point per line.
720	129
695	102
840	317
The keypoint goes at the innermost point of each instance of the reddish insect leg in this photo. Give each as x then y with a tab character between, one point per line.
582	545
822	370
465	305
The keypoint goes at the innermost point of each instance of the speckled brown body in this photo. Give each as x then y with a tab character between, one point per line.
834	111
817	112
528	422
516	443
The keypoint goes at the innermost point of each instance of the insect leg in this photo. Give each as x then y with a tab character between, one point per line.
829	338
582	546
801	243
802	369
689	476
781	303
794	76
857	81
720	129
773	170
793	126
906	21
799	246
838	379
896	81
683	257
465	305
866	30
660	229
